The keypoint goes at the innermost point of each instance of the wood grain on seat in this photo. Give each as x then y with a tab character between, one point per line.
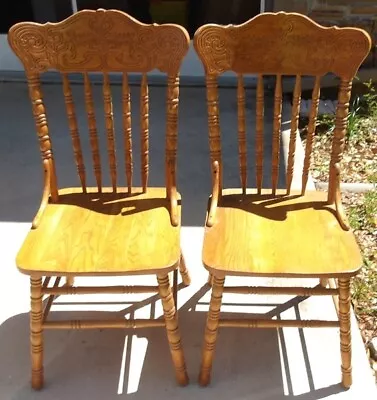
280	235
110	233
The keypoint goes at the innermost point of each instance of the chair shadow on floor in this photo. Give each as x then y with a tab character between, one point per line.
112	364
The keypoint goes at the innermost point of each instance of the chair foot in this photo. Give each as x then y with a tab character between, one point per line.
171	322
345	330
204	378
36	333
184	271
210	334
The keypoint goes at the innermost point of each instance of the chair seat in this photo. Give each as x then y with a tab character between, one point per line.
108	233
266	235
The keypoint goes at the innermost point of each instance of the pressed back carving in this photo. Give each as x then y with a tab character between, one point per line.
102	41
280	44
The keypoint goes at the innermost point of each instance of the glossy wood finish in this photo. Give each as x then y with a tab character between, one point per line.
242	132
276	133
171	320
93	136
269	231
144	136
36	333
109	124
117	230
294	131
260	223
72	122
214	127
126	97
311	131
210	334
259	133
345	330
128	234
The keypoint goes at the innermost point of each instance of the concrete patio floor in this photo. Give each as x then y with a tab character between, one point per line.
110	364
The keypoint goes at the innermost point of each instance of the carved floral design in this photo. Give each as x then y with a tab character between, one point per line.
99	41
284	43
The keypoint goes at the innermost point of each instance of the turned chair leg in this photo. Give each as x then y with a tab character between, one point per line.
184	271
345	330
210	334
210	280
36	333
171	322
175	288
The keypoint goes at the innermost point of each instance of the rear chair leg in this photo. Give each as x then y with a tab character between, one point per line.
184	271
323	282
345	330
69	281
36	333
171	322
210	334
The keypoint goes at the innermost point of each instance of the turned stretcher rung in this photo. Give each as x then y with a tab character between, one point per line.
298	291
102	324
273	323
99	290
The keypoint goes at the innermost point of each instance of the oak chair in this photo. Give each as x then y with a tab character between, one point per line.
268	231
98	231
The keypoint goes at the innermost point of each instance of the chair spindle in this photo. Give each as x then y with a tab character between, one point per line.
127	129
276	134
93	137
144	124
242	132
294	130
311	131
73	127
109	124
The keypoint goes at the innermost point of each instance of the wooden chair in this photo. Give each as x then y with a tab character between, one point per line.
247	229
98	231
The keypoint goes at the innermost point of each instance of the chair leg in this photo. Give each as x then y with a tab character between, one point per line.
323	282
36	333
171	322
210	334
210	280
345	330
69	280
175	288
184	271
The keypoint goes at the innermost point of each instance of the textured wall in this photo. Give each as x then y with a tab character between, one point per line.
362	14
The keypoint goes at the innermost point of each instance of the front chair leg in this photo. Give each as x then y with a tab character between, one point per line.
36	333
171	322
345	330
210	334
184	271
